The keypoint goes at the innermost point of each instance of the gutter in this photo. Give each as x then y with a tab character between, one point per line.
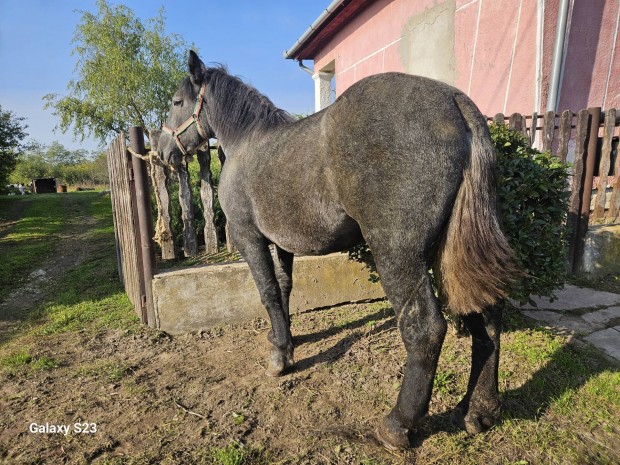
558	56
289	54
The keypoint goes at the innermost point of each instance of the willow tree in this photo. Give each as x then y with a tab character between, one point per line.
126	69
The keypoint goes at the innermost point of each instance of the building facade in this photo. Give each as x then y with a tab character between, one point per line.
502	53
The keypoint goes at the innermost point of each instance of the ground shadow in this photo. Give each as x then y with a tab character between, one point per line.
342	346
568	369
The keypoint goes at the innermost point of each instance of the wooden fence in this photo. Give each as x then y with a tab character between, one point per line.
587	139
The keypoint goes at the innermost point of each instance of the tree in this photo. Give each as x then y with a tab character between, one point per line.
127	72
11	135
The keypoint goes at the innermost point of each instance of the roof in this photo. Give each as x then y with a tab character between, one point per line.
337	15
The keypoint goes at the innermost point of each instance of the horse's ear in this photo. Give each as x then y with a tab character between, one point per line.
196	68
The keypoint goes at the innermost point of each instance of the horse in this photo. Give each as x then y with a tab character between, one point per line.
402	162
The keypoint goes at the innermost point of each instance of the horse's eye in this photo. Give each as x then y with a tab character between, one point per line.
177	103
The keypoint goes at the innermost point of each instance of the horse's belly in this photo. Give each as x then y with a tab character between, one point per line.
318	237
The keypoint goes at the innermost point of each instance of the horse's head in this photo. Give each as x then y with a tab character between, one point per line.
187	127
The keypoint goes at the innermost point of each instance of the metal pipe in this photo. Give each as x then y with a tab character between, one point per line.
313	27
305	68
145	222
558	56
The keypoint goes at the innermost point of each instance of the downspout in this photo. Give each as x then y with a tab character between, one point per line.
305	68
558	56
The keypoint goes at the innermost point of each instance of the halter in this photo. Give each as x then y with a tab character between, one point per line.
188	123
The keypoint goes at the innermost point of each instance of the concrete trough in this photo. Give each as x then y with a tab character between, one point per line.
206	296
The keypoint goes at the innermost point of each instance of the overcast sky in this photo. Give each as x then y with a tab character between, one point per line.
248	36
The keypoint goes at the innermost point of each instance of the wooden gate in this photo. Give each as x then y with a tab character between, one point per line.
131	208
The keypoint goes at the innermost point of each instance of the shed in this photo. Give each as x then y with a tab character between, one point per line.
44	186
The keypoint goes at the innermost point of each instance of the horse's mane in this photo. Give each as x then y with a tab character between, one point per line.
241	108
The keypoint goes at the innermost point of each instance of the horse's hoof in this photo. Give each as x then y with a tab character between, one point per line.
475	421
392	434
280	361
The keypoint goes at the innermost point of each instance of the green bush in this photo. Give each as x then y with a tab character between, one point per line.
534	204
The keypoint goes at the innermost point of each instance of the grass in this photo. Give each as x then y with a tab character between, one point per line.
26	244
88	295
21	361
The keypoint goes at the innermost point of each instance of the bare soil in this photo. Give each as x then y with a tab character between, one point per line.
156	398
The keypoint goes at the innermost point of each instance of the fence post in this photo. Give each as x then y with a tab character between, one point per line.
190	242
206	195
145	223
604	165
163	230
574	206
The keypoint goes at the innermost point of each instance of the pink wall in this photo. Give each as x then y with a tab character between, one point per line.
500	51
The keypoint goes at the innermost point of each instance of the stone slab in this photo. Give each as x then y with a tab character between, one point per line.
573	297
543	315
603	316
205	296
572	323
607	340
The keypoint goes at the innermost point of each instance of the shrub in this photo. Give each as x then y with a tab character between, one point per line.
533	204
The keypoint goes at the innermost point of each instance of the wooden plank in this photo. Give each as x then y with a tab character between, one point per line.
576	185
207	197
499	118
604	165
590	165
548	131
613	214
566	122
190	242
125	226
516	122
533	130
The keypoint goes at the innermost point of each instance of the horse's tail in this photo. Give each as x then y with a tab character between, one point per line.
476	260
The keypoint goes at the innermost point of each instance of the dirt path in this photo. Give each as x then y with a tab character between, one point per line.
72	247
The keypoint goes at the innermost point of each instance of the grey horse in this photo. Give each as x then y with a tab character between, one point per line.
403	162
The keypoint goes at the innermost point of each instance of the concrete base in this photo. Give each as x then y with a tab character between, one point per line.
211	295
601	255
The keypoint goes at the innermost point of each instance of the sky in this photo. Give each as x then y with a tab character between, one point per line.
248	36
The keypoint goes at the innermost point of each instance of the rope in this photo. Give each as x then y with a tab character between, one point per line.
151	156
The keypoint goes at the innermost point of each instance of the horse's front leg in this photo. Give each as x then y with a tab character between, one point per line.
255	250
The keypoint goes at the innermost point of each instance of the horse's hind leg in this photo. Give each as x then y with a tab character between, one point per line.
283	262
422	327
480	407
255	250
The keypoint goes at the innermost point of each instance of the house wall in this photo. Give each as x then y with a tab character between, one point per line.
497	51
